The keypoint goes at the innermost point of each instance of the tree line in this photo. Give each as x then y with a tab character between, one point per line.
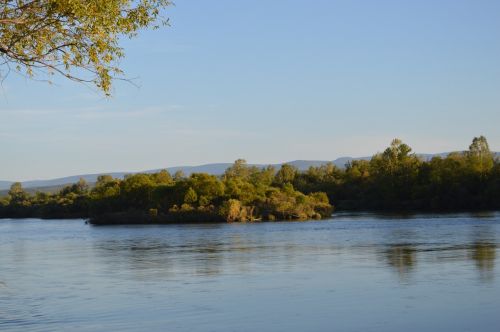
243	193
394	180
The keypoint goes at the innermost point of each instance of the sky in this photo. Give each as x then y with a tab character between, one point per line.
269	81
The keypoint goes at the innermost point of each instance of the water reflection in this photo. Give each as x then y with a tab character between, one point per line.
213	252
400	251
484	255
483	251
207	254
406	246
403	259
157	258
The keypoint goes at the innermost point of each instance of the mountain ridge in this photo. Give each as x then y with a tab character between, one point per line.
213	168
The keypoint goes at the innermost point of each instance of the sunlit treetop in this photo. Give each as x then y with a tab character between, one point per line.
78	39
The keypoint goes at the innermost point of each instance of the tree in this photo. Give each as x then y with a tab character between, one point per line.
78	39
191	196
179	175
239	169
395	155
106	187
394	173
137	189
208	186
286	174
79	188
479	155
17	194
162	177
231	210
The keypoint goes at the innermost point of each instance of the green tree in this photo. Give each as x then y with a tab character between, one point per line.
4	201
179	175
17	194
239	169
78	189
286	174
137	189
232	210
191	196
78	39
162	177
479	156
395	172
105	187
207	186
392	157
82	187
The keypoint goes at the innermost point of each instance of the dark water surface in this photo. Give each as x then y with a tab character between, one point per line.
352	273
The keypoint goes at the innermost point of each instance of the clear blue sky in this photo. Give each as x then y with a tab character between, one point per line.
269	81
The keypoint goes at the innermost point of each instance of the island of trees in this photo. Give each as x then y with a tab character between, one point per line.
394	180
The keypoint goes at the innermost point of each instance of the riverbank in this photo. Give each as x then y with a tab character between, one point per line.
135	217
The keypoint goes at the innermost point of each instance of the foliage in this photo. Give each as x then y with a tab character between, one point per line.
479	156
399	180
78	39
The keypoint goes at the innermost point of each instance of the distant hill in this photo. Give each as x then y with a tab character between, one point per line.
5	184
215	169
53	185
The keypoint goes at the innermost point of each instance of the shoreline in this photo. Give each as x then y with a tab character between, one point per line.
134	218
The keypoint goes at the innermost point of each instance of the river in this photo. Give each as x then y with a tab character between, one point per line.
355	272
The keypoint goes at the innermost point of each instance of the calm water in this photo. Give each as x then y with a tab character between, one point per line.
351	273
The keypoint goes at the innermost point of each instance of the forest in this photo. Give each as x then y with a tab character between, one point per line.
394	180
